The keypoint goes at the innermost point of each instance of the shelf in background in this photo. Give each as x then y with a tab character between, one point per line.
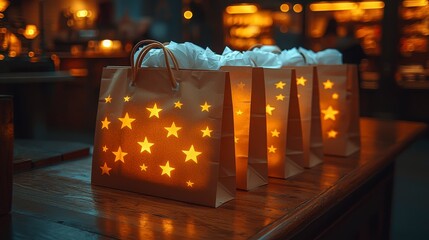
413	84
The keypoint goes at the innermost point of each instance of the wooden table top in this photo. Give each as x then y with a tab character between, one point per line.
59	201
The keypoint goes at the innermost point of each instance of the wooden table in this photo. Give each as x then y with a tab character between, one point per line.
344	198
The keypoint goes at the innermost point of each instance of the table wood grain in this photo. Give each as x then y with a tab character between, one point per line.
59	201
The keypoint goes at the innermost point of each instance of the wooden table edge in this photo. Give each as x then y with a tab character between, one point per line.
289	225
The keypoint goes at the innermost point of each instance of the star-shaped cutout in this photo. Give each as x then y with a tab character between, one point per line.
166	169
189	183
105	148
127	98
280	85
301	81
172	130
105	123
105	169
126	121
145	145
272	149
280	97
269	109
154	111
275	133
178	104
335	96
239	112
207	132
329	113
332	134
205	107
143	167
119	155
328	84
241	85
191	154
236	139
108	99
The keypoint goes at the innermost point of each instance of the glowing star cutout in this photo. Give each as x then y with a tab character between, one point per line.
105	169
178	104
236	139
301	81
280	85
119	155
105	148
269	109
172	130
275	133
335	96
108	99
332	134
126	121
207	132
328	84
127	98
280	97
154	111
105	123
272	149
191	154
239	112
329	113
189	183
143	167
241	85
166	169
205	107
145	145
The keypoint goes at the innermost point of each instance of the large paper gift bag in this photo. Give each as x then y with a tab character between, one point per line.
166	132
284	134
339	106
248	100
308	96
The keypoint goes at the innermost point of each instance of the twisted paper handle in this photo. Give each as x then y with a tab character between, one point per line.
151	44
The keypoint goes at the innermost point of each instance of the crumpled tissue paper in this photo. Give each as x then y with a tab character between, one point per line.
329	57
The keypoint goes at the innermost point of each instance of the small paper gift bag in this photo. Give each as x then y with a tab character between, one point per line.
308	96
339	106
248	100
284	135
165	132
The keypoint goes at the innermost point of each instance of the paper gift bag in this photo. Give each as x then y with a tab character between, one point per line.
166	132
308	96
284	135
339	106
248	100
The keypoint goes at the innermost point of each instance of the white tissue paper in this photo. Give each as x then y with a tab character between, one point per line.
329	57
191	56
291	57
154	58
209	60
270	48
309	56
188	56
234	58
264	59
